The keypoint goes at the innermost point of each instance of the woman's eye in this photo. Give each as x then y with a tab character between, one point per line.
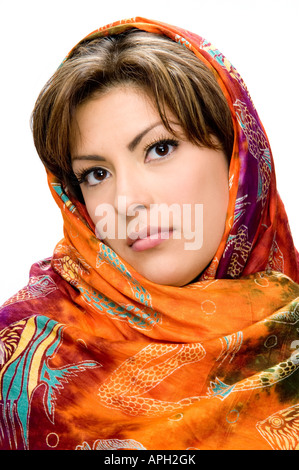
93	176
160	150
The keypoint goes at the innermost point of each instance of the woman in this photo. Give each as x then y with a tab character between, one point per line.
152	330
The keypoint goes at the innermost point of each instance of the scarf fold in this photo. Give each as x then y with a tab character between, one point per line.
94	356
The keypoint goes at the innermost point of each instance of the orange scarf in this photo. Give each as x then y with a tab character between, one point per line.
94	356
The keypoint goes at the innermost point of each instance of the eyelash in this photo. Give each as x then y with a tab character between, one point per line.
81	176
161	141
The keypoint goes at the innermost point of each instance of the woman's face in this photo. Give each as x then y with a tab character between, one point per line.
156	199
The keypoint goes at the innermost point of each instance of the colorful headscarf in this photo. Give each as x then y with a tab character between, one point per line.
94	356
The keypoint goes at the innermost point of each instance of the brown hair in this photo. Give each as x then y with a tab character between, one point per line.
172	74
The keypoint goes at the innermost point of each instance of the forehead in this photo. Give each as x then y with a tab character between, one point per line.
120	114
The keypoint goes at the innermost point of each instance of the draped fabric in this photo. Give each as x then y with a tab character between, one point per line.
94	356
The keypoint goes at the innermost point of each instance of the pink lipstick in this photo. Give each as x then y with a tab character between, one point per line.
148	238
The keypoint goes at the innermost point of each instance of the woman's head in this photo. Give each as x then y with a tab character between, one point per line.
89	128
182	78
168	72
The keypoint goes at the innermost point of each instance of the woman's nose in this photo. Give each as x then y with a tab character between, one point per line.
132	192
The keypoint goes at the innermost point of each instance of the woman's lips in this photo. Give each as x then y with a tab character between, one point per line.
148	238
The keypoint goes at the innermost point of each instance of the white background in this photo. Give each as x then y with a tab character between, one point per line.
259	37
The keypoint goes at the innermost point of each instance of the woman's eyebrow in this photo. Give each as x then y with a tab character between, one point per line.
132	145
97	158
